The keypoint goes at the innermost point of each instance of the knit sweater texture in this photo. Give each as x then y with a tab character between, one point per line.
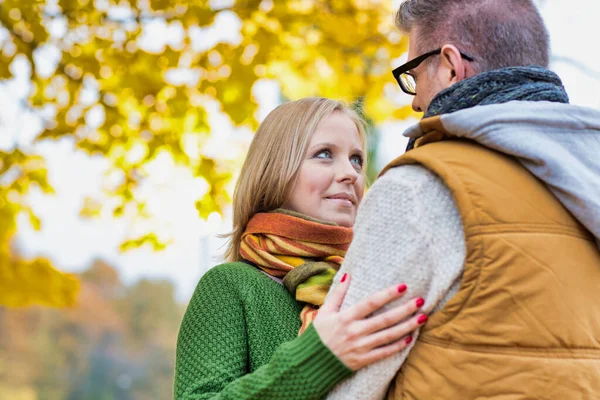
238	340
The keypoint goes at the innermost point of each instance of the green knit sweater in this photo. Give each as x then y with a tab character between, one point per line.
238	340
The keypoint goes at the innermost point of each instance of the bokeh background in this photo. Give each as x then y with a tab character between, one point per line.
123	125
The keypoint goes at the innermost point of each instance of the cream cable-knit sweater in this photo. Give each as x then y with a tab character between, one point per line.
408	230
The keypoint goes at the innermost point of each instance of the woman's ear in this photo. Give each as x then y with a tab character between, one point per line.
453	65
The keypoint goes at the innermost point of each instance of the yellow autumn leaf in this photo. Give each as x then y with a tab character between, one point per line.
26	283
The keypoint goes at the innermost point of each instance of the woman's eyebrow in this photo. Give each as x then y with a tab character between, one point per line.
335	146
323	144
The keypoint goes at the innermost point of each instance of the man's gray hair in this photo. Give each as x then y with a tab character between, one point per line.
497	33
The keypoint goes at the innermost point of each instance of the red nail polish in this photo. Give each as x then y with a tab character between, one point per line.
344	278
408	340
422	319
420	302
402	288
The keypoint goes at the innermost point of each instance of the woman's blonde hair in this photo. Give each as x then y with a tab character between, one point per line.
275	155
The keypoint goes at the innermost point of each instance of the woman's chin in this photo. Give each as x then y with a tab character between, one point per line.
345	220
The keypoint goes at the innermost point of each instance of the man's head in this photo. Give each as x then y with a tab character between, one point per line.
495	33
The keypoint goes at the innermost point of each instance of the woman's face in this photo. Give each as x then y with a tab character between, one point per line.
330	182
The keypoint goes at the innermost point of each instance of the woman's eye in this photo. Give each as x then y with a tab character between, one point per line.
357	160
323	154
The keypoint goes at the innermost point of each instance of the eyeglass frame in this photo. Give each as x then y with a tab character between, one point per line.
414	63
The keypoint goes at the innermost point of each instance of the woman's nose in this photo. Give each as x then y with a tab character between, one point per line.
347	172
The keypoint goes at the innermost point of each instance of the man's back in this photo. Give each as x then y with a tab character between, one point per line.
409	227
522	320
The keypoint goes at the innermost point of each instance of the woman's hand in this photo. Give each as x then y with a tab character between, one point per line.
359	340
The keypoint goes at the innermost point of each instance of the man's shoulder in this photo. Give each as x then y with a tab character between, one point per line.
405	191
412	176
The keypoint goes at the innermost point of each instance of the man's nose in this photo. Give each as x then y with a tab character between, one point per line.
415	105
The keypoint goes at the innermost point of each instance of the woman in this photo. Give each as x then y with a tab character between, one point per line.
247	332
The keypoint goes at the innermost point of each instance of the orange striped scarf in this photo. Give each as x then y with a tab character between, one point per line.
305	252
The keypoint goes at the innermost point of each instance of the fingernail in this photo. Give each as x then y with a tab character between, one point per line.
408	340
402	288
422	319
420	302
344	278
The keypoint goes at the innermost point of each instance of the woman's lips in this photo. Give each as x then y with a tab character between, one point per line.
343	199
342	202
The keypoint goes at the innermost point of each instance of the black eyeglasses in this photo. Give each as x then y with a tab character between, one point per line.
406	80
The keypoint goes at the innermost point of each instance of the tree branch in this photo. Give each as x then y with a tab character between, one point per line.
33	45
106	18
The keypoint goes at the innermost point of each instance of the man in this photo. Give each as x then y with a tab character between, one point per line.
492	216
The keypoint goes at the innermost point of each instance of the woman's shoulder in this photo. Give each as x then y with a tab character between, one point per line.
238	283
233	270
238	276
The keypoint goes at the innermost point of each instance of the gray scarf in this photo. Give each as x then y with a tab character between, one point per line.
497	87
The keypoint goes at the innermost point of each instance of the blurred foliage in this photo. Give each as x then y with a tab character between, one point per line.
118	343
95	82
25	282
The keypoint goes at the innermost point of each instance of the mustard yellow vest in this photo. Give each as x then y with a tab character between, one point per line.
525	323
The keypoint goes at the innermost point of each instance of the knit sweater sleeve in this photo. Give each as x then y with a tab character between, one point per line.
212	354
408	230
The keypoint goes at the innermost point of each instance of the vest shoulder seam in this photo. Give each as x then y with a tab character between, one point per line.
572	353
519	228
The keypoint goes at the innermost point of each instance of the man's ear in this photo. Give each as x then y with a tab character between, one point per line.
455	68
